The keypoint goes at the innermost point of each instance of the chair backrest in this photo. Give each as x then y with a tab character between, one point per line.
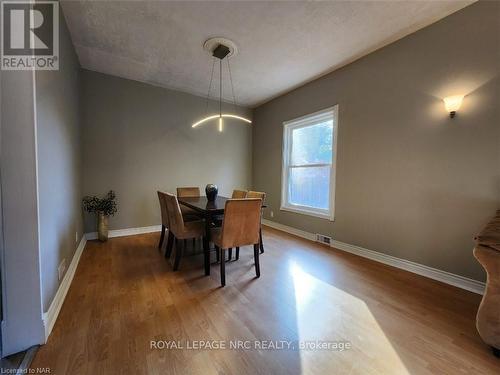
175	220
188	192
257	194
239	194
241	222
162	197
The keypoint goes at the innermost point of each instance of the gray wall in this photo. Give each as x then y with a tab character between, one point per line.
22	324
59	163
411	182
138	139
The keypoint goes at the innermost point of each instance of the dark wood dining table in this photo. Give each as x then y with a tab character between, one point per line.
208	210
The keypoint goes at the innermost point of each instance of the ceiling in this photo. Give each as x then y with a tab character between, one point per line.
282	45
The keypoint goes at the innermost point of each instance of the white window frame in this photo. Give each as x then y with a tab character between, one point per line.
288	127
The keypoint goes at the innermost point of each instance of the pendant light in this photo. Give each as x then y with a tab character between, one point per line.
220	49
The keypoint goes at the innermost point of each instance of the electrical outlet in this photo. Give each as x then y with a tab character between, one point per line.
272	214
61	269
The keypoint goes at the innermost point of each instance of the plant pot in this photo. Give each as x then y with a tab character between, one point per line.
102	227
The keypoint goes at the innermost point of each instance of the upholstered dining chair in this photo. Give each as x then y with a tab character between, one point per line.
240	227
186	192
180	229
239	194
254	194
162	197
190	191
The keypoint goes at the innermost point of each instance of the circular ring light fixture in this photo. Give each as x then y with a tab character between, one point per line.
220	48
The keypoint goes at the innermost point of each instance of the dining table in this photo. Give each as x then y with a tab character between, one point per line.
209	210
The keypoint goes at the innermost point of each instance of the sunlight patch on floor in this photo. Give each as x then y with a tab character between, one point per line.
345	319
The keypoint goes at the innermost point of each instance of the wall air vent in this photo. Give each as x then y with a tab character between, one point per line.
323	239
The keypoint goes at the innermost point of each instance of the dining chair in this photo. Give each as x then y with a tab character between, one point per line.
162	197
188	192
181	230
261	195
240	227
239	194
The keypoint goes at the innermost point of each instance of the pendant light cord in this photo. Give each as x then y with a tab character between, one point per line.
220	85
231	80
220	88
210	85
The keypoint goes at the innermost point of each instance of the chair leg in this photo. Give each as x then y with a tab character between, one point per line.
256	258
178	253
261	244
237	252
230	253
206	258
194	243
206	251
170	244
217	253
162	236
222	267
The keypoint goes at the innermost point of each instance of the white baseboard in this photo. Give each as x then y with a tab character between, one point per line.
126	232
50	317
287	229
420	269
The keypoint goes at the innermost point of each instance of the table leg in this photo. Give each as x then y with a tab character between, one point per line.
206	245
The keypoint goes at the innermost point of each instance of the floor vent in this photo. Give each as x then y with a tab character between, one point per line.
323	239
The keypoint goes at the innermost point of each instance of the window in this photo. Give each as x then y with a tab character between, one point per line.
309	151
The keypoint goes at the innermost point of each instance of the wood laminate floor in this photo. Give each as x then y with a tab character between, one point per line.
125	295
11	363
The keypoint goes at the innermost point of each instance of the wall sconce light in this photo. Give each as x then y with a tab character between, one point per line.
453	103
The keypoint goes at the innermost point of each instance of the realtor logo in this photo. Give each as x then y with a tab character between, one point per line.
30	35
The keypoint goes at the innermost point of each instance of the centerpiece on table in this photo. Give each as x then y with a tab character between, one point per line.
211	191
104	208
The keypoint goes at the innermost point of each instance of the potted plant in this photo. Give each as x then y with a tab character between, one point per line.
103	207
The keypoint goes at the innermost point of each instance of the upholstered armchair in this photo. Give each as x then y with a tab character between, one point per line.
487	252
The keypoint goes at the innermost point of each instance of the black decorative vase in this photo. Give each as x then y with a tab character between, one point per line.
211	190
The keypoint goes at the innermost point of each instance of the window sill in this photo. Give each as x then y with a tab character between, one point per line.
304	211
